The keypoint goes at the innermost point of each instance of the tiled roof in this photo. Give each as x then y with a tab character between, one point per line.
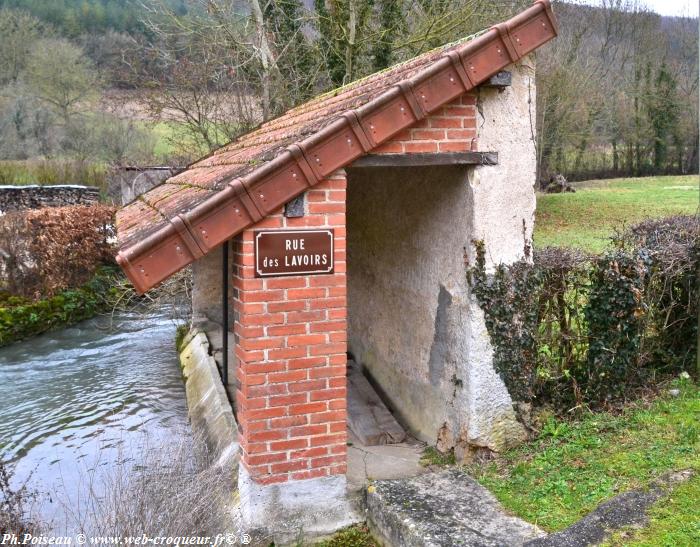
218	196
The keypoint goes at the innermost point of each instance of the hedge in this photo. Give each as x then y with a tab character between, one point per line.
577	331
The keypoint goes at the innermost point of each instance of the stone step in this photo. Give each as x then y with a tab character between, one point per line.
368	417
446	508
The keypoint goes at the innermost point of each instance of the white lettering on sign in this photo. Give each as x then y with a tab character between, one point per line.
293	252
294	244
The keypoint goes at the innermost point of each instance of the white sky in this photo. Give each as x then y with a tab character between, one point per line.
667	7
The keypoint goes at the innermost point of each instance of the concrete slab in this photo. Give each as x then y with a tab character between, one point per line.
389	461
442	509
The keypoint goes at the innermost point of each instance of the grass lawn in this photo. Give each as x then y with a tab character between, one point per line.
587	218
574	466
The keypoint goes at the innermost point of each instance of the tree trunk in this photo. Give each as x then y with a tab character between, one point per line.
267	59
350	46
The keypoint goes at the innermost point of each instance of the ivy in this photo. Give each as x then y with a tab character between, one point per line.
21	318
576	331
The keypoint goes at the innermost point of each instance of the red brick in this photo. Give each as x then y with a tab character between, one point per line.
309	452
446	123
297	305
328	394
271	366
306	339
290	376
264	390
328	326
299	294
420	147
286	400
307	385
310	474
328	372
260	343
326	303
306	316
462	134
323	440
286	467
308	362
428	134
327	280
459	110
338	337
308	408
291	444
284	330
316	195
454	146
288	421
262	296
264	319
272	479
325	461
307	430
390	147
338	404
324	349
287	353
258	459
285	283
271	435
339	469
337	427
326	208
267	413
330	416
249	308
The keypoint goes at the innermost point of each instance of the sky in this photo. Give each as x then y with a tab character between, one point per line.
668	7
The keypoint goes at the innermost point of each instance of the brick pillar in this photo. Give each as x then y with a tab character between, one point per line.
291	343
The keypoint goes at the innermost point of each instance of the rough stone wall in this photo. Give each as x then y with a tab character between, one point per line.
17	198
412	320
290	347
503	199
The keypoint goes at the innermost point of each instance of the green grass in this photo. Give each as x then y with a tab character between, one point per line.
573	467
432	456
354	536
586	219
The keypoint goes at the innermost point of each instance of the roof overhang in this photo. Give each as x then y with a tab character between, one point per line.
246	200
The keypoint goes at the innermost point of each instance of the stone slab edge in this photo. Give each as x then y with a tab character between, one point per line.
626	509
209	410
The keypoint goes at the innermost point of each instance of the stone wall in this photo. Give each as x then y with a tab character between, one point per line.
17	198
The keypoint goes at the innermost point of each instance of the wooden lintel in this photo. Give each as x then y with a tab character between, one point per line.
427	159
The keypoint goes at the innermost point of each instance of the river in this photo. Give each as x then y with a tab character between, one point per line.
77	403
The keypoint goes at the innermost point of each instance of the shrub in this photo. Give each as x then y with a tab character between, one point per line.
574	330
14	512
52	249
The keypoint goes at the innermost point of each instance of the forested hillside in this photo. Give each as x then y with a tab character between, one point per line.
126	81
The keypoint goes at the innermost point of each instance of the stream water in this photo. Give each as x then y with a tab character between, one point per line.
77	403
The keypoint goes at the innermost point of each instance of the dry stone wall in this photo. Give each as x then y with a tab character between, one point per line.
18	198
